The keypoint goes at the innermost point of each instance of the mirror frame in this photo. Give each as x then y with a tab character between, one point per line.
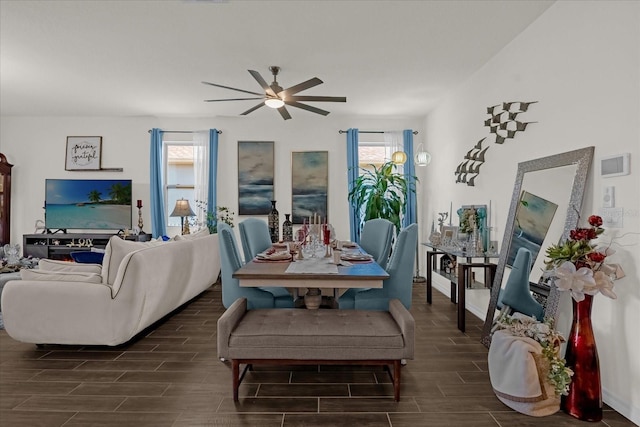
583	159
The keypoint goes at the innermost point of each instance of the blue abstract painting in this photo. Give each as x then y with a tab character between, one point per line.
309	185
533	219
255	177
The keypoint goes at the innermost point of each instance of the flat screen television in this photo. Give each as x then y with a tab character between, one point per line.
88	204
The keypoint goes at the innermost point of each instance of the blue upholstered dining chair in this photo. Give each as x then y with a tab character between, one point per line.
255	237
398	285
231	290
516	295
376	239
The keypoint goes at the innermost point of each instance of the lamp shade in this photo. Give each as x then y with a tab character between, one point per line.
182	208
274	102
399	157
422	157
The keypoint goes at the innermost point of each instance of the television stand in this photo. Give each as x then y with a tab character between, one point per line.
59	230
59	245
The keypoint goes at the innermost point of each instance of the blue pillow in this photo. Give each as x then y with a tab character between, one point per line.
87	257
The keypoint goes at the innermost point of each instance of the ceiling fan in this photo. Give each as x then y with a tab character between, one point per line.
276	97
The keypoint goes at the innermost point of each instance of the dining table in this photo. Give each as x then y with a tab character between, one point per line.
312	273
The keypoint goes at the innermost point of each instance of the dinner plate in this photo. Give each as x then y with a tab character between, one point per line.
356	257
276	256
349	245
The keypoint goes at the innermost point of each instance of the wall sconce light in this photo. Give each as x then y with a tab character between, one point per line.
399	157
183	209
422	157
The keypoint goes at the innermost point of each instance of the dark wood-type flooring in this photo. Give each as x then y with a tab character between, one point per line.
170	376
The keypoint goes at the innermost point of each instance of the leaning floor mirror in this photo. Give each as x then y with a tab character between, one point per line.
545	206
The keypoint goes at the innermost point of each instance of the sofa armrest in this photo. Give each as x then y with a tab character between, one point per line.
227	323
407	325
62	312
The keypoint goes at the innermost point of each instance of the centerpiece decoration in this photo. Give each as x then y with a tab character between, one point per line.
578	266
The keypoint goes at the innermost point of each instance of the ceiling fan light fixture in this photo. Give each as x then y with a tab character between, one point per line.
274	102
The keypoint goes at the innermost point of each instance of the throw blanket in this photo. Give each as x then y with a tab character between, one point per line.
518	377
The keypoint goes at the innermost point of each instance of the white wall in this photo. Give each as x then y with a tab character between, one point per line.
581	61
36	146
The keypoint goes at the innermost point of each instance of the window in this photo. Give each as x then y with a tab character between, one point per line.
374	153
179	177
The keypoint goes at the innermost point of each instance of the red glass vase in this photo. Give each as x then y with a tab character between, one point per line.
584	400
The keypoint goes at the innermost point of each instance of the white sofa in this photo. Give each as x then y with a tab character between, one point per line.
89	304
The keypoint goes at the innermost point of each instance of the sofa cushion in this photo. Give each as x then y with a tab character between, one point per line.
57	276
87	257
115	251
339	329
72	267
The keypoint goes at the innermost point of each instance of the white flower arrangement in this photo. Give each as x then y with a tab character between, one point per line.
579	267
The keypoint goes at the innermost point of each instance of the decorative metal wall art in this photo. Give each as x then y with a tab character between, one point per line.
503	124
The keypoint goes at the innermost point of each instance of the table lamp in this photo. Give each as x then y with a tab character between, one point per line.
182	209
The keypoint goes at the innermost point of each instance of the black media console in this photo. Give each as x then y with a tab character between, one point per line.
60	245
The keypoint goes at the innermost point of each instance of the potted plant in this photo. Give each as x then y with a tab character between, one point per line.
381	193
221	213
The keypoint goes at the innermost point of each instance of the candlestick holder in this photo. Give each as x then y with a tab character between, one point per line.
140	224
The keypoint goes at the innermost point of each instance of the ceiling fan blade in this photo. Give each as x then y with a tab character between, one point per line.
252	109
319	98
306	107
262	82
230	99
233	88
300	87
284	113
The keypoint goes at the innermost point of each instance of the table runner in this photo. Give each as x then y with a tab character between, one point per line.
313	266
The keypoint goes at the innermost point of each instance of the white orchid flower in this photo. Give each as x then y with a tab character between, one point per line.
570	279
604	284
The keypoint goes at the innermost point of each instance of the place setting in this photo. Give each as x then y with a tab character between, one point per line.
273	255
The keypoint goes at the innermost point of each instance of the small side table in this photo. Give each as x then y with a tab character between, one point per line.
464	280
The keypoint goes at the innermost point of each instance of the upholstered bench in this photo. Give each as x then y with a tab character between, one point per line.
284	336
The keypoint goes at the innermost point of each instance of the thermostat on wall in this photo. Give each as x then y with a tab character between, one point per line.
614	165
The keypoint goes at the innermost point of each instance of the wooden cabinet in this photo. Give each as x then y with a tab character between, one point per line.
5	200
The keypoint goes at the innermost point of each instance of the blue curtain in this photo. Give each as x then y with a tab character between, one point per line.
212	195
411	214
352	174
158	224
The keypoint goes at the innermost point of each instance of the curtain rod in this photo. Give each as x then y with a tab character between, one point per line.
415	132
183	131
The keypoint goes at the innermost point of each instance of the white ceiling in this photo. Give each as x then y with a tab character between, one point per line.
148	58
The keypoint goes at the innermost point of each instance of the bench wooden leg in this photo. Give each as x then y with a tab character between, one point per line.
235	367
396	379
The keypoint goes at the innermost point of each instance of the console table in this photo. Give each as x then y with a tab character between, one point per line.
60	245
461	278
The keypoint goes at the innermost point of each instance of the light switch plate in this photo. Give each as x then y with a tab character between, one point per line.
612	217
608	197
